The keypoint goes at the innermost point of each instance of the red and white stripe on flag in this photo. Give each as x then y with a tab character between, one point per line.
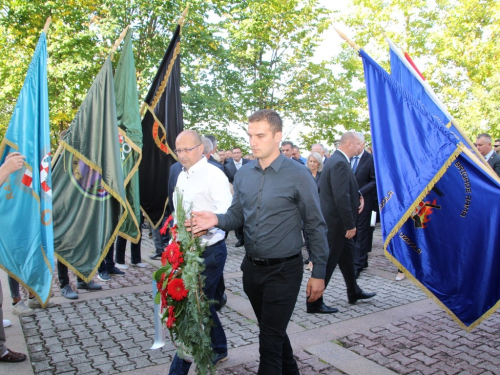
27	179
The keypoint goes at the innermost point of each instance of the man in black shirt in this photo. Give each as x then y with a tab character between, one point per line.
272	196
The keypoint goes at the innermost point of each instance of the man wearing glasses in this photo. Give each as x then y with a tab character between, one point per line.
497	146
203	187
483	144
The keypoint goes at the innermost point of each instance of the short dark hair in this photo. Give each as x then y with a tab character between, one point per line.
497	140
236	148
289	143
213	139
270	116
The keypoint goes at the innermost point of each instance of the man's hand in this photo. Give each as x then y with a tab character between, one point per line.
361	204
202	220
314	289
13	162
350	233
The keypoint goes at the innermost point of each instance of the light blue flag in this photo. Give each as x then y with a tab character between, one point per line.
26	238
439	206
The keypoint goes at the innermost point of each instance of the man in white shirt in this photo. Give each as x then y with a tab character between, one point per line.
204	187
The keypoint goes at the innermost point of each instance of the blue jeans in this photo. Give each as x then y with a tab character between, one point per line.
215	258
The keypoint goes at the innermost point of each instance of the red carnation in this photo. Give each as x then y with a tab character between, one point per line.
164	258
171	317
163	229
173	253
173	231
176	290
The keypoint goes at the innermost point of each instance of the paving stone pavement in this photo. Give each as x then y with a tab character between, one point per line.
111	331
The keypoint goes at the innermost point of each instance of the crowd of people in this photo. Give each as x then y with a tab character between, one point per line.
276	201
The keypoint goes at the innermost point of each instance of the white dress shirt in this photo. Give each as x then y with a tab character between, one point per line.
206	188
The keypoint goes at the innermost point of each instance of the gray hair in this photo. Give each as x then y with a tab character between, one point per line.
207	145
318	158
361	136
213	139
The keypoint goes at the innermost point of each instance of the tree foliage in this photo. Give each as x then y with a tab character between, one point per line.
240	56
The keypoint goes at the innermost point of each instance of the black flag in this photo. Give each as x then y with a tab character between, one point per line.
161	124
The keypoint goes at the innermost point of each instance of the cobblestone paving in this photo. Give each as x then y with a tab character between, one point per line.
431	343
389	294
109	335
308	365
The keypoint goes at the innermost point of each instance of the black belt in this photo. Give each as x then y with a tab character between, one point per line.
269	261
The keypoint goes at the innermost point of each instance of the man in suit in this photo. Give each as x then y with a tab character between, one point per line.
483	144
230	168
341	202
364	169
497	146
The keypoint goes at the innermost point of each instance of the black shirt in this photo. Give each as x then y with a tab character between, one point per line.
272	204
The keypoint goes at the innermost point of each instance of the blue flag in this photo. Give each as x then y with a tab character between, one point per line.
439	206
26	240
405	74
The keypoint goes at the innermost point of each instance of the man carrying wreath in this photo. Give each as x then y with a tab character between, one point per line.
203	187
273	195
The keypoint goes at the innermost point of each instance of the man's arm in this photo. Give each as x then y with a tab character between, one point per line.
370	186
315	227
339	181
13	162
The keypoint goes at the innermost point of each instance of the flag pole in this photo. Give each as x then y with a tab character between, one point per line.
349	41
181	19
47	24
119	40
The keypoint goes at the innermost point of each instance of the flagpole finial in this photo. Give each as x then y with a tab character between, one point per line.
349	41
47	24
119	40
180	21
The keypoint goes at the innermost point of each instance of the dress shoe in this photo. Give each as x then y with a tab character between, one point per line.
11	356
361	295
322	309
219	357
222	303
240	243
356	273
366	265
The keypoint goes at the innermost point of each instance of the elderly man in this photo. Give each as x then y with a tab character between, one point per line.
203	187
272	196
341	202
483	145
320	149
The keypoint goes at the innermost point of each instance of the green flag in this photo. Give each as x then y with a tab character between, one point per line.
89	198
130	129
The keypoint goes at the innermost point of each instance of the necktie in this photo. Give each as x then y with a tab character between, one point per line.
355	165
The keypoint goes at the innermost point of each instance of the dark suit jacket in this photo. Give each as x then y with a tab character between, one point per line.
230	169
365	176
494	162
338	194
175	171
212	161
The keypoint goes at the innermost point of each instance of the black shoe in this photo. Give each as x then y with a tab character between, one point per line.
357	273
366	265
155	256
361	295
240	243
116	272
219	357
222	303
322	309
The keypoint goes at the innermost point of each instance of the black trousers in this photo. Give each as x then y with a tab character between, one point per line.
341	253
135	251
364	236
62	274
272	291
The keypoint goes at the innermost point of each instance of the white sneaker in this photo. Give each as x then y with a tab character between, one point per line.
139	265
21	309
6	323
121	266
34	304
400	276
